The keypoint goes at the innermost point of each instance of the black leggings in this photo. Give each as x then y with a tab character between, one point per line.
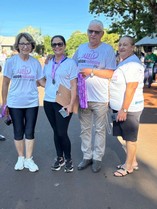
24	121
60	128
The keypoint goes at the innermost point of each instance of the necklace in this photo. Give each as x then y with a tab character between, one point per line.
55	66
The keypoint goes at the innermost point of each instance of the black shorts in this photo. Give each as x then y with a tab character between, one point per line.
24	121
128	129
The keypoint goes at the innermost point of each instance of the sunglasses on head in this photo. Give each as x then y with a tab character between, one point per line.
60	44
94	31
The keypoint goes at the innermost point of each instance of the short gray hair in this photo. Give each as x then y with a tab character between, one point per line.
28	37
97	22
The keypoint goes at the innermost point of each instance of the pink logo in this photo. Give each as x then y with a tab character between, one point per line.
24	70
92	55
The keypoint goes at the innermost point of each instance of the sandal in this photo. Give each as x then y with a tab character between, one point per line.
135	167
121	172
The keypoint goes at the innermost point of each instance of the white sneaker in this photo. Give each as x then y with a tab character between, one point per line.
20	164
29	163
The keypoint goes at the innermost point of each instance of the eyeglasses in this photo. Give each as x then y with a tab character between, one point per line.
94	31
60	44
25	44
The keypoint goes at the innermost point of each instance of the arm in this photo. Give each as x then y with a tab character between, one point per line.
73	95
129	94
41	82
5	86
103	73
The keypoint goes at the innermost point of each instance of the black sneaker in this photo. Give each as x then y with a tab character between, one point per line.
59	162
68	166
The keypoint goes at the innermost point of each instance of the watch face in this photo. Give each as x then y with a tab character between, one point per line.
92	74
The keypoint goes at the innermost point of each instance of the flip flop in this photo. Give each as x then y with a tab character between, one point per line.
121	172
136	168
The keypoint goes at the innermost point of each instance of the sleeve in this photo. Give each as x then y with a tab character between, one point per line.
75	56
73	70
8	72
40	74
132	72
110	59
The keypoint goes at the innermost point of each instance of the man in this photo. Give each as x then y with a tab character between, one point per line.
93	59
2	138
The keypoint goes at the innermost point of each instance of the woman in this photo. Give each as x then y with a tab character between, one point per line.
60	70
126	98
22	72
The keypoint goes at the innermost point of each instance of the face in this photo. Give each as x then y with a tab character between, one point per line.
25	47
58	46
125	47
94	35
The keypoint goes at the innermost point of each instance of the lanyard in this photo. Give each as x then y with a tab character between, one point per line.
55	66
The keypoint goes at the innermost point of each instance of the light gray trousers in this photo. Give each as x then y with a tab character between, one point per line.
93	123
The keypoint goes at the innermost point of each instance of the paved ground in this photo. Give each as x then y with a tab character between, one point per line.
81	189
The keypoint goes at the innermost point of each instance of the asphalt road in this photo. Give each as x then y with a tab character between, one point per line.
47	189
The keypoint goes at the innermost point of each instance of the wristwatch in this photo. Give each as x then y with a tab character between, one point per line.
92	73
125	110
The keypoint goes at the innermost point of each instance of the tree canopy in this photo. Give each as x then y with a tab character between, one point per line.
129	17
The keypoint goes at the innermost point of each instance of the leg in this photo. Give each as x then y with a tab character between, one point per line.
50	111
150	78
100	111
30	122
19	144
62	131
129	130
131	155
86	120
17	116
29	145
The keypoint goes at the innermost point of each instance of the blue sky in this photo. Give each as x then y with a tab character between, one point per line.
51	16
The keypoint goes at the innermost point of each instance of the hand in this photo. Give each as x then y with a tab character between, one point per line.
122	116
68	108
86	72
49	57
4	111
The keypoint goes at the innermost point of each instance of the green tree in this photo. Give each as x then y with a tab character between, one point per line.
132	17
47	45
74	41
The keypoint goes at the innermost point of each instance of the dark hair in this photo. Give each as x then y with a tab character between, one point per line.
58	36
131	39
28	37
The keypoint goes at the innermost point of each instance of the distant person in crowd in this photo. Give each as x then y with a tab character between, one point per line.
91	56
150	60
126	101
20	96
3	57
60	70
142	57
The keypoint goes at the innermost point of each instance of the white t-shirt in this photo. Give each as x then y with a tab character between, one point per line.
23	91
102	57
129	70
66	72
